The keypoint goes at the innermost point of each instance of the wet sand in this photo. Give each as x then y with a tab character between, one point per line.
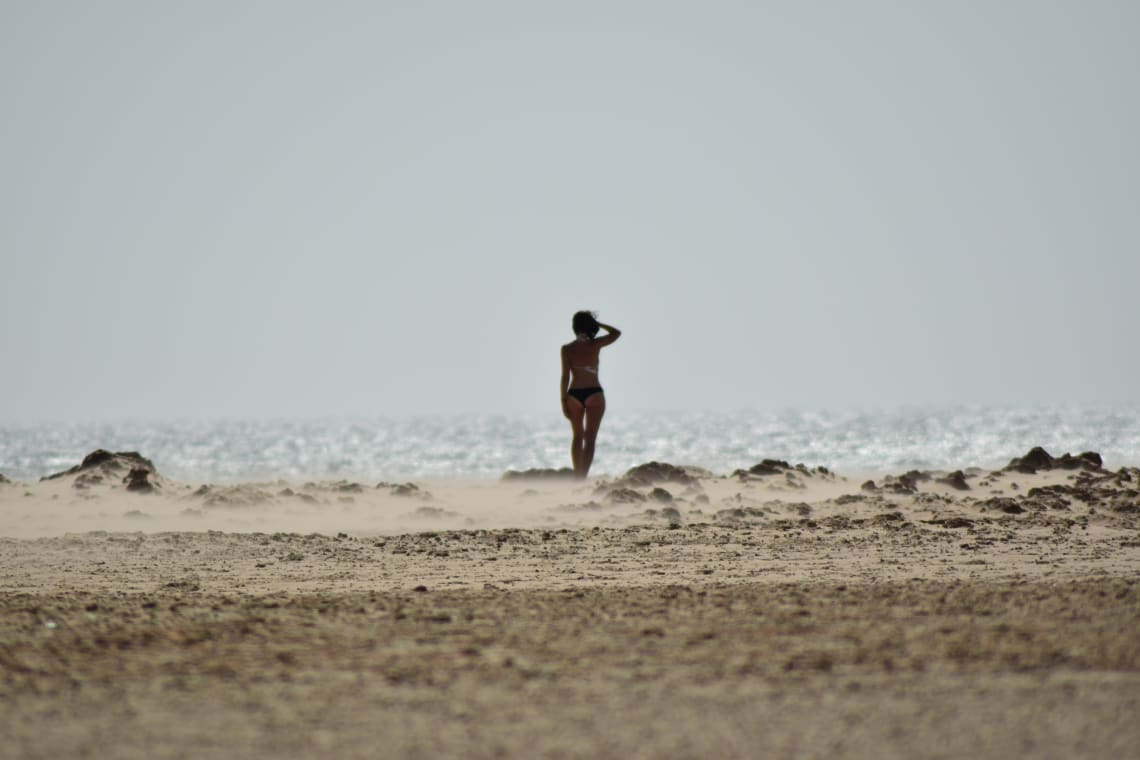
777	613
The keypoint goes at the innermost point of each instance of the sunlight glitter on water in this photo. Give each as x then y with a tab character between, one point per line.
486	446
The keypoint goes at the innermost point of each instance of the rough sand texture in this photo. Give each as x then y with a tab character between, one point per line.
768	614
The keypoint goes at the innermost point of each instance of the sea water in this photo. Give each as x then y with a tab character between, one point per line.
486	446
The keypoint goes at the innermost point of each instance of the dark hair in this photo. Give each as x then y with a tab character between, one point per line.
584	322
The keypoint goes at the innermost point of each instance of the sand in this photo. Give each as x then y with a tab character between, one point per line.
782	612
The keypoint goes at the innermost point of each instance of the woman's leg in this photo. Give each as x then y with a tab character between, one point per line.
595	409
577	415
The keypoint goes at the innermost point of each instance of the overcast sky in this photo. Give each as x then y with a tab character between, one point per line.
247	209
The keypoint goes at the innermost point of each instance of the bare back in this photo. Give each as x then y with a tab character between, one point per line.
581	358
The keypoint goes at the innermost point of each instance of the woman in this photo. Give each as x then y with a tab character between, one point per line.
583	402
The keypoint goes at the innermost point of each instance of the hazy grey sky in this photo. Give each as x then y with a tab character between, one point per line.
292	209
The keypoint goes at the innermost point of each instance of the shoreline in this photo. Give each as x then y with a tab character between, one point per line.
124	492
473	446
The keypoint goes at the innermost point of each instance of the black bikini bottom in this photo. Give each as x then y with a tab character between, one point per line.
583	393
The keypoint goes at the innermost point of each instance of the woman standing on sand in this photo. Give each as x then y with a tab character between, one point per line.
583	401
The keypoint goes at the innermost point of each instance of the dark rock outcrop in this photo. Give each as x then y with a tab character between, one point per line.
105	462
769	467
652	473
902	484
138	480
1086	460
1102	493
1054	497
956	479
100	467
1039	459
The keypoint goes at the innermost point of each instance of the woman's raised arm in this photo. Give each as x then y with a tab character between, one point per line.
612	334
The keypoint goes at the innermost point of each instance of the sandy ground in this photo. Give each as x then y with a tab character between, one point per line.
778	612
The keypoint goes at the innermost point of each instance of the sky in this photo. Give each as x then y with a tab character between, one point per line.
294	209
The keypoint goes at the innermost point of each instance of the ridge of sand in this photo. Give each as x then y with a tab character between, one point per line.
103	498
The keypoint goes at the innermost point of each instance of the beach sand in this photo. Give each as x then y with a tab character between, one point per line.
779	611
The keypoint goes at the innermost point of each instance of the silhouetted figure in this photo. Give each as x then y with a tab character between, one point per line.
583	401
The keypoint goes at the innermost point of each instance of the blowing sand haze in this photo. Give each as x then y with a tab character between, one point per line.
779	610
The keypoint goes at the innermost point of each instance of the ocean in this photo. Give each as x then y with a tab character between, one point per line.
484	447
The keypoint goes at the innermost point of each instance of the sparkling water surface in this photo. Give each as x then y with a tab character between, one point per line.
486	446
